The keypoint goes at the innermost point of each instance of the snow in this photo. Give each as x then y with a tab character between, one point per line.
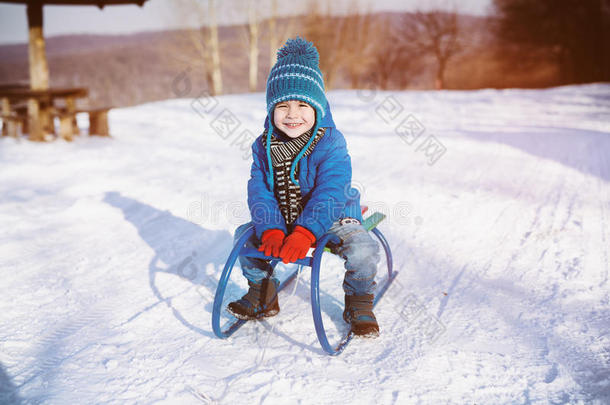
498	217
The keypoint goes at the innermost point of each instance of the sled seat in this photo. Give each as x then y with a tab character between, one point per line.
369	223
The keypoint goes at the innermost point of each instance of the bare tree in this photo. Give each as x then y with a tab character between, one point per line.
393	58
574	34
215	49
199	48
329	35
278	31
354	45
358	46
273	42
435	33
253	44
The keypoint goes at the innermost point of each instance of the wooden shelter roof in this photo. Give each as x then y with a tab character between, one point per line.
98	3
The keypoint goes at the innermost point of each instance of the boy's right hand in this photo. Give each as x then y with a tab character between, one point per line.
271	242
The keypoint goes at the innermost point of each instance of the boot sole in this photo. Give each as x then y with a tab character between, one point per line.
368	335
241	316
267	314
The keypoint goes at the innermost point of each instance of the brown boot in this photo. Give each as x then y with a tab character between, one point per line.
359	314
260	301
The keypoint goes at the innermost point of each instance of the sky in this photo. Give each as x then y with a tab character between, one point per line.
161	14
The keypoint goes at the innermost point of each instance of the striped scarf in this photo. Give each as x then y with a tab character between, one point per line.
286	192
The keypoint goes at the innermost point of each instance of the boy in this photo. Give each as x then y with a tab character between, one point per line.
300	189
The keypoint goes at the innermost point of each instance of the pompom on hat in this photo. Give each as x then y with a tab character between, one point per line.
295	76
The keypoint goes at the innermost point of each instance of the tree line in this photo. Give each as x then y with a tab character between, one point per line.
521	43
564	40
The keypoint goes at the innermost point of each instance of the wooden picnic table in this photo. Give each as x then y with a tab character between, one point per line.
39	75
41	109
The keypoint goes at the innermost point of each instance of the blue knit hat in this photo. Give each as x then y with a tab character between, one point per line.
295	76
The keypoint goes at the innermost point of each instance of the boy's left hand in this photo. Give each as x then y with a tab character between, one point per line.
297	244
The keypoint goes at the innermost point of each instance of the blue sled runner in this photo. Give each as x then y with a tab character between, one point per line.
239	249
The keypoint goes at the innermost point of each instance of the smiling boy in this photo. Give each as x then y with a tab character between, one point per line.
300	189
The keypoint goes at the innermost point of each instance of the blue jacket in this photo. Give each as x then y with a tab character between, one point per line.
325	177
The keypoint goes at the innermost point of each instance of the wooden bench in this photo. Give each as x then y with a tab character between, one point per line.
98	121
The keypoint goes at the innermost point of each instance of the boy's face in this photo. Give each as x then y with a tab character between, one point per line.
294	117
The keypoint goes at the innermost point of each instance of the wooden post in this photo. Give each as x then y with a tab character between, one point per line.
24	122
34	125
39	69
71	109
65	127
46	119
13	127
6	111
98	122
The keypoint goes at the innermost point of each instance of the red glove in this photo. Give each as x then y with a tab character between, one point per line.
272	240
297	245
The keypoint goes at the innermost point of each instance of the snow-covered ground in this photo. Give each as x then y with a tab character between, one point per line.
498	207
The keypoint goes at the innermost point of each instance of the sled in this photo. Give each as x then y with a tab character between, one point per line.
314	261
